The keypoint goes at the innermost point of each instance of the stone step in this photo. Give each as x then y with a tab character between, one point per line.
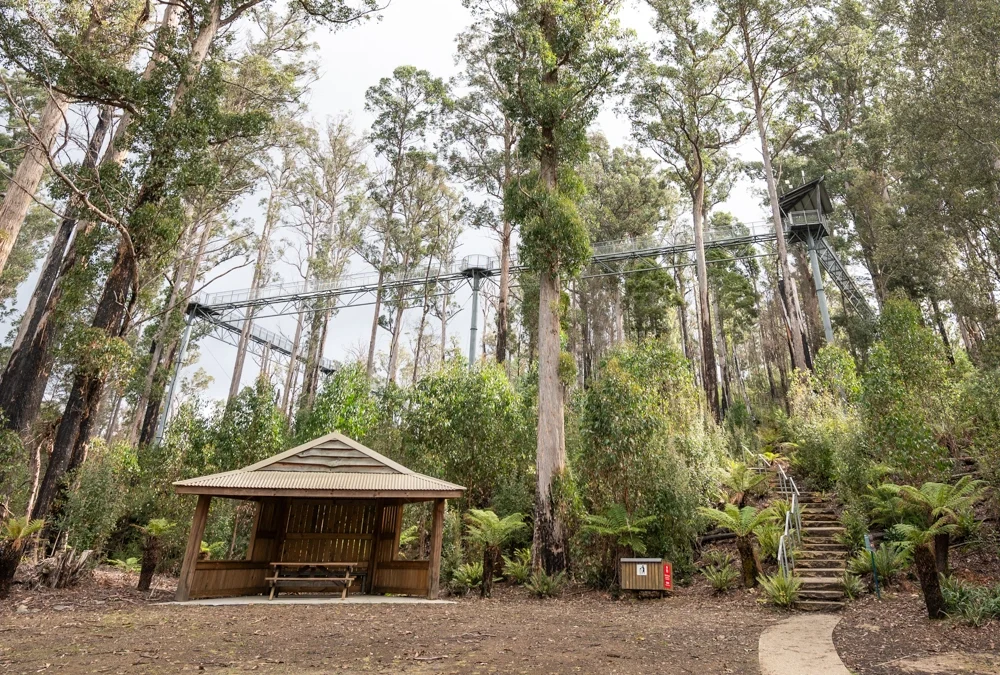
815	523
819	605
821	544
806	564
835	572
820	594
821	581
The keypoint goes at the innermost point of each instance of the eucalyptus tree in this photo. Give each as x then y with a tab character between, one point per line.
775	40
627	196
558	60
68	50
483	137
683	111
327	193
169	141
406	106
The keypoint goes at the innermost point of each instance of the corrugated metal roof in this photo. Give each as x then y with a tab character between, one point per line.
331	463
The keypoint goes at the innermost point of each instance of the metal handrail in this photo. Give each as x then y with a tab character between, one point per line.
786	558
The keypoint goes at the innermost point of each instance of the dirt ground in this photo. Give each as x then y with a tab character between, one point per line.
894	636
108	628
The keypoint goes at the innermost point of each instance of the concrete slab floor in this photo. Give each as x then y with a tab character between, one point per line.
802	644
313	600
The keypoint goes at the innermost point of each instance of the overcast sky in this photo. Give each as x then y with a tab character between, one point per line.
420	33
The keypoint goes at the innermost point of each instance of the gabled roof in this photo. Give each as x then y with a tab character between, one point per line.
811	196
330	466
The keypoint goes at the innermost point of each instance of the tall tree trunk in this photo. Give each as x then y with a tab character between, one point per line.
549	545
22	384
24	184
798	349
111	317
293	369
370	368
503	299
709	377
259	272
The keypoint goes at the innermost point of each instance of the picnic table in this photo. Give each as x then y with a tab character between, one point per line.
322	573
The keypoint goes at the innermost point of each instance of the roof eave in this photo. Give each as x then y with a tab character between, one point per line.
444	493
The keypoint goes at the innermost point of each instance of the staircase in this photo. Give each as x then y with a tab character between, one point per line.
821	560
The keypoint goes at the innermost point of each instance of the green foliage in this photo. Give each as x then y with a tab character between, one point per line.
891	559
742	482
973	605
488	530
980	419
553	235
616	525
345	404
471	428
466	577
645	445
130	565
741	522
543	585
769	539
855	528
158	527
214	551
518	567
93	510
721	571
252	428
909	396
852	586
782	590
16	529
824	424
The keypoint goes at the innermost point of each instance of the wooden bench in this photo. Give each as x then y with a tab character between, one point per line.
341	574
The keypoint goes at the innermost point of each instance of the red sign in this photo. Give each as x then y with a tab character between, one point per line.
668	581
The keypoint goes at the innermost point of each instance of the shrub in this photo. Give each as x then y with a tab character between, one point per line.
130	565
544	585
721	571
891	559
852	586
769	538
518	567
467	577
855	528
974	605
490	533
782	590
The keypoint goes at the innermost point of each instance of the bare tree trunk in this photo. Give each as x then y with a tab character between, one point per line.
708	366
259	272
370	369
397	330
293	368
794	326
24	184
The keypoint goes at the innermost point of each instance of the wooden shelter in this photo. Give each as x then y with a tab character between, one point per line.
331	500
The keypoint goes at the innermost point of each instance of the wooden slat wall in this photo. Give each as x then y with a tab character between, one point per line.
223	578
405	577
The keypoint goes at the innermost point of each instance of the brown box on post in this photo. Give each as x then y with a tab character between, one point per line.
646	574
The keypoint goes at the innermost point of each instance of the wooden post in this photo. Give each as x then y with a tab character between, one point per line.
376	543
437	533
193	548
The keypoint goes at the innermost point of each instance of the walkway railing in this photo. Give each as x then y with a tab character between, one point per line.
793	522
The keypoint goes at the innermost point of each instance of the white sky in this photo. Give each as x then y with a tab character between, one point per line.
419	33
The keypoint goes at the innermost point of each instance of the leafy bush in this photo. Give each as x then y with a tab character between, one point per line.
769	539
130	565
855	528
891	559
720	570
782	590
544	585
909	397
852	586
467	577
974	605
518	567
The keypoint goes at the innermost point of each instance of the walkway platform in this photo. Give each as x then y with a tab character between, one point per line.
802	644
